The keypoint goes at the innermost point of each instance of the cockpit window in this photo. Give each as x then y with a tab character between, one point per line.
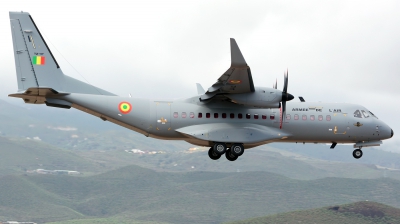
365	114
357	113
373	114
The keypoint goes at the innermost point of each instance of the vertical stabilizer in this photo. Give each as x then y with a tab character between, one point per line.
35	64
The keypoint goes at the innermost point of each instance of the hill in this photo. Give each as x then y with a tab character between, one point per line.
19	155
364	212
135	193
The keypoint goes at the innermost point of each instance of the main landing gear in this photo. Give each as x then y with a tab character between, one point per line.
231	153
357	153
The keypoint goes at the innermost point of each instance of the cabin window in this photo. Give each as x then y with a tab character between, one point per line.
248	116
223	115
296	116
357	114
232	115
272	116
304	117
320	117
215	115
328	117
183	114
312	117
288	117
264	116
208	115
240	116
200	115
175	114
191	115
365	114
255	116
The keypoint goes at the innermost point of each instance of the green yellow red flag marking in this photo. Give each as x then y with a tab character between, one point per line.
125	107
38	60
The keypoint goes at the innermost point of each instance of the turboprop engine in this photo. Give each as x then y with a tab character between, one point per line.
262	97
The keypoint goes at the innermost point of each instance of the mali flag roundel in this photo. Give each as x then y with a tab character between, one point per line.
125	107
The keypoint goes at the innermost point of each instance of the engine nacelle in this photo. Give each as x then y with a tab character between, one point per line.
261	97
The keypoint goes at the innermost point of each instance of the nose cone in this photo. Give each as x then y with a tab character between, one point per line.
392	133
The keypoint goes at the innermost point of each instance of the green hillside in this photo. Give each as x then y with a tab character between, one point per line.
20	155
356	213
140	194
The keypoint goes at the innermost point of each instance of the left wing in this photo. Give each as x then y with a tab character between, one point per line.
237	79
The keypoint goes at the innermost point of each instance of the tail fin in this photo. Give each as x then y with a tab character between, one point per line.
35	65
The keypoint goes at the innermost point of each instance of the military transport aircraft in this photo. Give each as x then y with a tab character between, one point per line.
231	116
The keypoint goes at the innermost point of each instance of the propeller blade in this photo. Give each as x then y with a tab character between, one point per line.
285	84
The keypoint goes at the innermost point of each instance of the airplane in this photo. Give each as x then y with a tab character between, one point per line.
231	116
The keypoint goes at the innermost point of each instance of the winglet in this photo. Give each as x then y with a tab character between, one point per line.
237	59
200	89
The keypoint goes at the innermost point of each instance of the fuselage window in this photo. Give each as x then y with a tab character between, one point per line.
320	117
264	117
304	117
240	116
223	115
232	115
183	114
248	116
175	114
365	114
288	117
215	115
296	116
328	117
191	115
357	114
200	115
255	116
208	115
312	117
272	116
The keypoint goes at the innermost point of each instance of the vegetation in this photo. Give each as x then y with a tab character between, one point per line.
355	213
135	193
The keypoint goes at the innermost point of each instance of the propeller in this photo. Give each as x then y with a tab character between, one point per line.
285	96
275	85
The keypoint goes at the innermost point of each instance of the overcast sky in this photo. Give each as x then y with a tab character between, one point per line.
336	51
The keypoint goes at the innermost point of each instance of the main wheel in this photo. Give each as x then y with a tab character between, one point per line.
213	155
229	156
237	149
219	148
357	153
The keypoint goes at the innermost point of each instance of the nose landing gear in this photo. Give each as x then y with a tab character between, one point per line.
357	153
231	153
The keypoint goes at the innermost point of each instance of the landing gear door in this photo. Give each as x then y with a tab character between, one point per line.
163	116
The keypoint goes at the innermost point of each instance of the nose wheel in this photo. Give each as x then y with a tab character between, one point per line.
357	153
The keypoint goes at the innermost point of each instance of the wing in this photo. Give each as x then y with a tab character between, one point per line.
236	133
237	79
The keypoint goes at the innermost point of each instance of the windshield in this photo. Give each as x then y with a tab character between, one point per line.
373	114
